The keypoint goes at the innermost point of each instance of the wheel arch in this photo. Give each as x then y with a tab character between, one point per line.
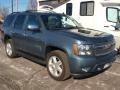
6	37
52	48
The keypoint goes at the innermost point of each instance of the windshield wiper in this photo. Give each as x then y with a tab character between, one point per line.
84	31
54	29
81	27
71	27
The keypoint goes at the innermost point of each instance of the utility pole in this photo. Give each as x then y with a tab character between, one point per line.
12	5
17	5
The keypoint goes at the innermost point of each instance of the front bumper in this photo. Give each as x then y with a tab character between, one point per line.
90	64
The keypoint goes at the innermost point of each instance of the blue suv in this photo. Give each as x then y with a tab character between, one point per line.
59	42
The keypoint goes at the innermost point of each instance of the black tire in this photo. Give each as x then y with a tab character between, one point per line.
65	66
13	53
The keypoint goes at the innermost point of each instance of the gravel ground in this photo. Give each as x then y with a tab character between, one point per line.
23	74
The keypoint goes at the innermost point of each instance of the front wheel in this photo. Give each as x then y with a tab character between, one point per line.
57	65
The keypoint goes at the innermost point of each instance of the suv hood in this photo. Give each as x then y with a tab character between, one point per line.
88	35
88	32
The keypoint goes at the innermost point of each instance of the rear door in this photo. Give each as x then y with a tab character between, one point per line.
18	31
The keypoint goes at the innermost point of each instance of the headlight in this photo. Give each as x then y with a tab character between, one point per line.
82	49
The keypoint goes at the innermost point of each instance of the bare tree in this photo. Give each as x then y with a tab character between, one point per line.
0	11
32	5
4	11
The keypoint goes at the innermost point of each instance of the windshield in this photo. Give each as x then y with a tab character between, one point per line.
59	22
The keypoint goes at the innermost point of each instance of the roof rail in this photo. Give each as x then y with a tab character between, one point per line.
15	12
41	10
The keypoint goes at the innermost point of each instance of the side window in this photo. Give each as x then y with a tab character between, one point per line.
9	20
87	8
19	21
68	22
69	9
33	20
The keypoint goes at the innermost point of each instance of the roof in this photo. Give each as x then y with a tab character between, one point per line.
35	12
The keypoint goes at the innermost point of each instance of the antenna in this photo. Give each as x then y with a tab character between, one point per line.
16	5
12	5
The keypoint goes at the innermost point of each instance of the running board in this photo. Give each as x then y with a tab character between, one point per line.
32	58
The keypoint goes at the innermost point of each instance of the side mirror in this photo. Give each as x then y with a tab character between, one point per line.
33	27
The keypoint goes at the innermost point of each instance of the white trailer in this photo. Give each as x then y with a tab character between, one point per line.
95	14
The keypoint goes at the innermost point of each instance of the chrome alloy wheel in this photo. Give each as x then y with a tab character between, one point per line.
55	66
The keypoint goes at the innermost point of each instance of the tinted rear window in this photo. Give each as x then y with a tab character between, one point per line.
19	22
9	20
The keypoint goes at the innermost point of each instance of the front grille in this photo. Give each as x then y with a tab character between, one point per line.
104	49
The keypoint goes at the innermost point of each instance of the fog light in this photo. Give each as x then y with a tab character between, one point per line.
86	69
99	69
107	65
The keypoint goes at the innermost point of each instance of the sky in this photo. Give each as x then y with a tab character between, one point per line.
22	4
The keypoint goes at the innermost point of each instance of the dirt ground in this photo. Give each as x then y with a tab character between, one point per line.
23	74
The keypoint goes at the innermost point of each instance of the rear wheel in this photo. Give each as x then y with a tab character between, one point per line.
57	65
9	48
